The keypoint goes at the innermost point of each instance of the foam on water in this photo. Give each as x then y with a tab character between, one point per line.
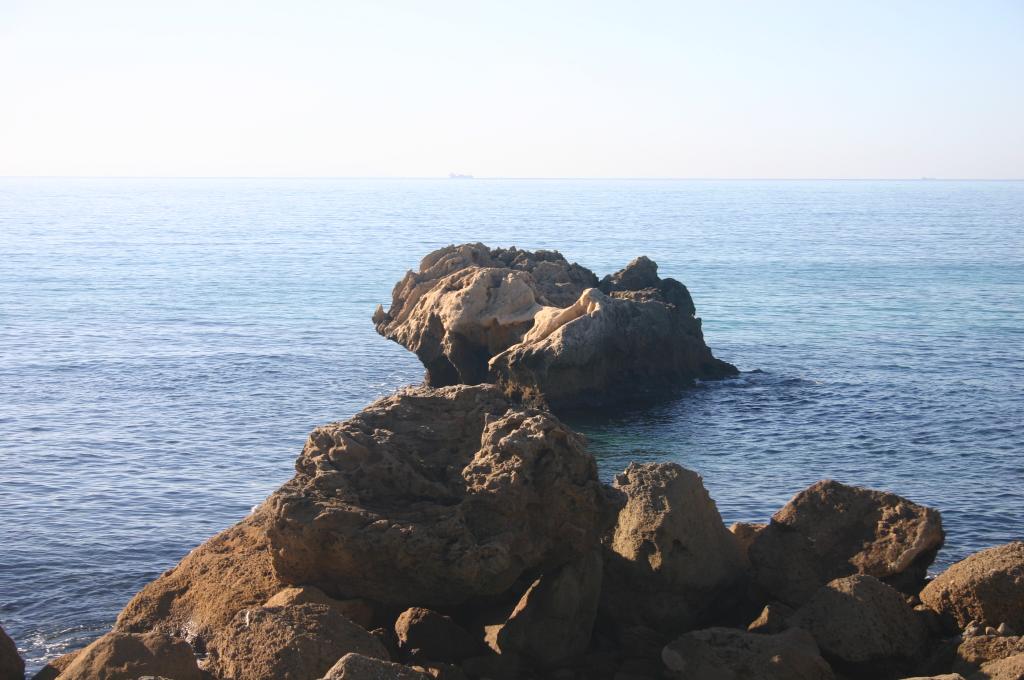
166	345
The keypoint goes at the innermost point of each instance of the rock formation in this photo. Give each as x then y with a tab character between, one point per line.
545	330
126	656
11	664
718	653
831	530
987	587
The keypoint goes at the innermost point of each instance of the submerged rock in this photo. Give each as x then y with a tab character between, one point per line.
831	530
987	587
434	497
720	653
546	330
11	664
126	656
669	558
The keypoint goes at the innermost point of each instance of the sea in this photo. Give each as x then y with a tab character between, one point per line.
167	344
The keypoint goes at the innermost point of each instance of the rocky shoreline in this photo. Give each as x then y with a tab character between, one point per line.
458	530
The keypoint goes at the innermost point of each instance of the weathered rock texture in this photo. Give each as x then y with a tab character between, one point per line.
126	656
726	653
426	634
11	664
831	530
435	497
296	642
545	330
976	651
354	666
356	610
669	558
987	587
467	303
861	624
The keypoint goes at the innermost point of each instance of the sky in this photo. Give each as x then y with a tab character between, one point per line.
559	88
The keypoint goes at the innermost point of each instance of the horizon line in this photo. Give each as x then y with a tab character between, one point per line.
541	178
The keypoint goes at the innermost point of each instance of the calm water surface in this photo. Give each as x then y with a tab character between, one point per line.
165	346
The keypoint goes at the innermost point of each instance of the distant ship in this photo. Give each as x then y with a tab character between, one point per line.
455	175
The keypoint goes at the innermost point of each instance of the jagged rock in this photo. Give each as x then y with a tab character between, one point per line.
425	634
830	530
230	572
603	349
435	496
772	619
55	667
554	618
356	610
469	302
1010	668
745	533
642	274
863	625
126	656
727	653
297	642
976	651
11	664
988	587
669	557
354	666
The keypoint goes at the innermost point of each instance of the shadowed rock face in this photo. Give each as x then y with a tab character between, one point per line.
720	653
545	330
830	530
434	497
11	664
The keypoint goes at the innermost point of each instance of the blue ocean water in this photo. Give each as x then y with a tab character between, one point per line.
166	345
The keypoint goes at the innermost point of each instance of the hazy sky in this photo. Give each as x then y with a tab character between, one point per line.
631	88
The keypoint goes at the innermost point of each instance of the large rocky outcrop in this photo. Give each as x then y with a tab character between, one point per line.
987	587
864	626
11	664
434	497
469	302
546	330
299	642
669	558
126	656
726	653
830	530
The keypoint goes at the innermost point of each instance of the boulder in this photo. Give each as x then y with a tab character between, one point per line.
230	572
469	302
727	653
862	625
126	656
55	667
745	533
553	620
355	666
425	634
669	559
434	497
11	664
831	530
1010	668
773	618
295	642
356	610
987	587
606	349
974	652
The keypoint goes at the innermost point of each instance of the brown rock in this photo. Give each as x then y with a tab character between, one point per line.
976	651
947	676
126	656
296	642
469	302
497	667
1010	668
727	653
863	625
230	572
745	533
605	349
773	619
425	634
355	666
555	616
11	664
435	496
987	586
356	610
830	530
670	557
55	667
